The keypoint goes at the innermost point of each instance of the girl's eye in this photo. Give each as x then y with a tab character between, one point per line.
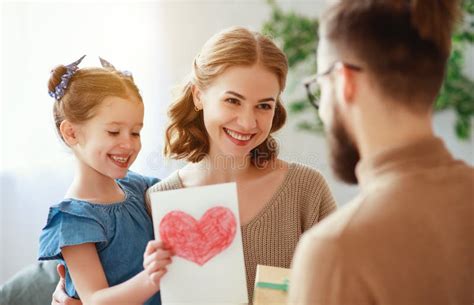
265	106
135	134
113	133
232	100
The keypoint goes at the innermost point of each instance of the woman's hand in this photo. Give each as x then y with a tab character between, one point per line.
155	261
59	295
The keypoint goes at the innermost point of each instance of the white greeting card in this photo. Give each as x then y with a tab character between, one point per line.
202	226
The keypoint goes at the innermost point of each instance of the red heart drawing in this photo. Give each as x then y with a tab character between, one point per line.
198	241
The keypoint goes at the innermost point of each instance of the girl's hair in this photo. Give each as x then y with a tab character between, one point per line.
87	88
405	44
186	136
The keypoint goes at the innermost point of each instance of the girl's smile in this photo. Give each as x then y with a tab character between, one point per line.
121	160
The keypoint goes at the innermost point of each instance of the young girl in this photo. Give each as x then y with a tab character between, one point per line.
101	229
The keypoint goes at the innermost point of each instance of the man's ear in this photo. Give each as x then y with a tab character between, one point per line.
346	84
197	93
69	132
349	88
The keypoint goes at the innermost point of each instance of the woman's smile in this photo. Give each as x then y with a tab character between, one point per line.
239	138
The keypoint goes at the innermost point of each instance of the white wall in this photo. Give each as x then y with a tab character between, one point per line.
157	41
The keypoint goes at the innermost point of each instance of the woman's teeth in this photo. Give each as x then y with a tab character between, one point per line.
237	136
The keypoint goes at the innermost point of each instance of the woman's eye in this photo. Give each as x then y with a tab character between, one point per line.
113	133
135	134
265	106
232	100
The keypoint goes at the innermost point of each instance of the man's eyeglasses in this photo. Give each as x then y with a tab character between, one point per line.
311	83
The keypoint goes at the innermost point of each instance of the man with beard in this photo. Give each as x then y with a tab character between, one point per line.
408	237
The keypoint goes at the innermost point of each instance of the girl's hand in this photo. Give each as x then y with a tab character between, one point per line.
155	261
59	295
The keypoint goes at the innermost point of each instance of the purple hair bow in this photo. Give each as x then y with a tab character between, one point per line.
60	89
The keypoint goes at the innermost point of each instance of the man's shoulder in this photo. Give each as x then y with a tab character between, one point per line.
336	226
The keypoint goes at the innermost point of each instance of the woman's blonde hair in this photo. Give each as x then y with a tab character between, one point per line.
186	136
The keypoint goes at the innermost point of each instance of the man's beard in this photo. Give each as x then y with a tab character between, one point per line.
344	154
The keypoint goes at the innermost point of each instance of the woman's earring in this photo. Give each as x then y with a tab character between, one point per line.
196	108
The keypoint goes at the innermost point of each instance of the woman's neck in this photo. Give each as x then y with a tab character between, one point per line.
216	169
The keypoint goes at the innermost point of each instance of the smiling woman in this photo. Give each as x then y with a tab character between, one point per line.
241	114
236	57
222	123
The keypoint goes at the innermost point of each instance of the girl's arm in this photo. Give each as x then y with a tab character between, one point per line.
91	284
59	295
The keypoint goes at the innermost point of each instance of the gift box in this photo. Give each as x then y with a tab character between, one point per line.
271	286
